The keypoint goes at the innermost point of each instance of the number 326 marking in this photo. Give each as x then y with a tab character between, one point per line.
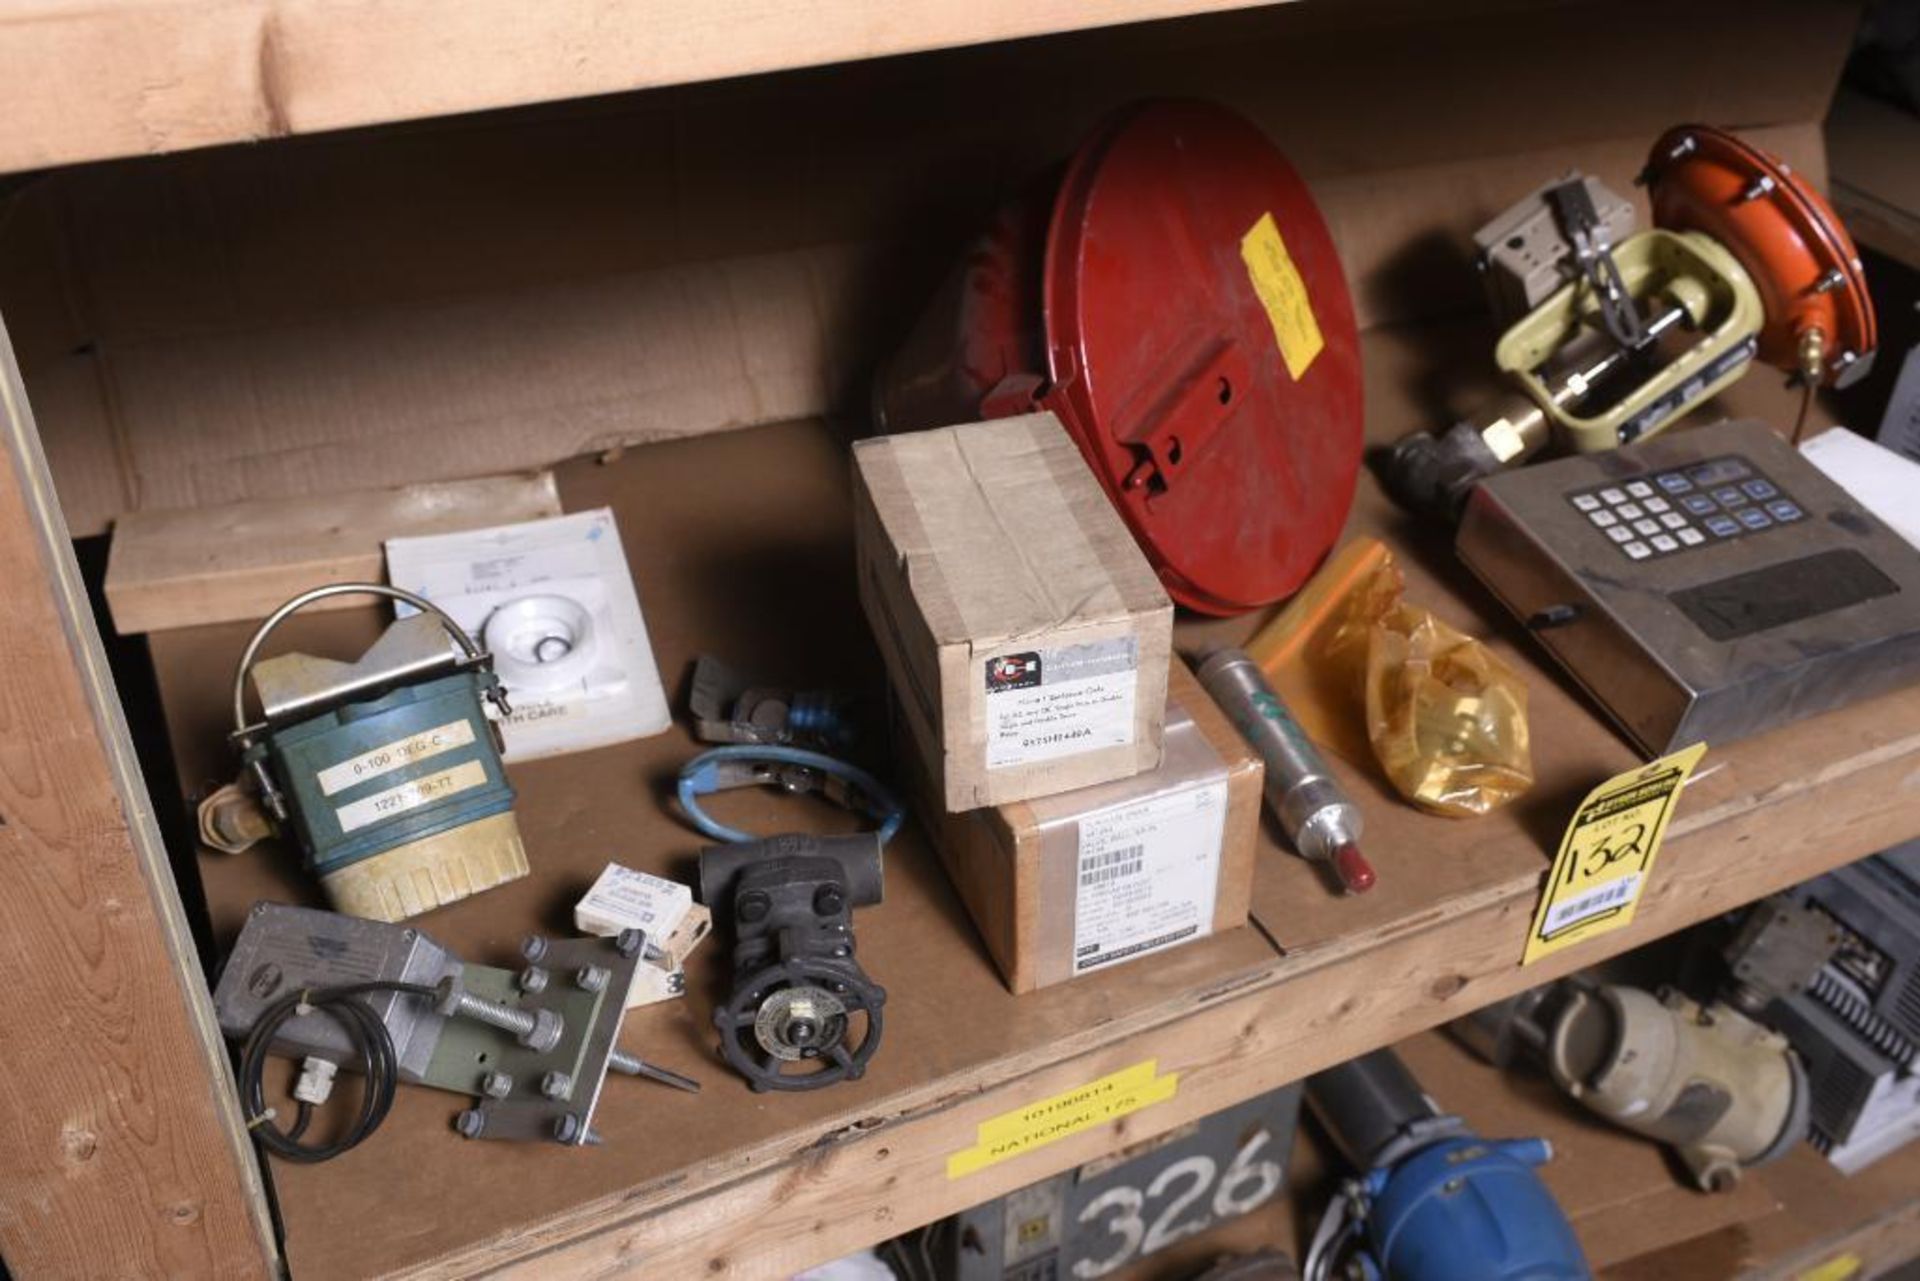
1246	1183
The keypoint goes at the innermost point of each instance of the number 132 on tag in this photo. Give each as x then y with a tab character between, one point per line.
1607	854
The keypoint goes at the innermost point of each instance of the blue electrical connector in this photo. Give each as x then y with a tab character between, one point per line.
1436	1201
791	768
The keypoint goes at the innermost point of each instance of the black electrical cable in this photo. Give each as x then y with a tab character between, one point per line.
372	1045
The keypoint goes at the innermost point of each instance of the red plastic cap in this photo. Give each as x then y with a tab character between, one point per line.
1351	866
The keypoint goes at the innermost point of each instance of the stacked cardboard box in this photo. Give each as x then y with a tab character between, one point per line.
1086	818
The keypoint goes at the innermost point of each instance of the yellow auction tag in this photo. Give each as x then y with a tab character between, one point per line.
1607	854
1010	1134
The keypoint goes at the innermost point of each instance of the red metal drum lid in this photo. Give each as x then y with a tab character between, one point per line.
1202	350
1789	239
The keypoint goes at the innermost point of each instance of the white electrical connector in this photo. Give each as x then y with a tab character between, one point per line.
315	1085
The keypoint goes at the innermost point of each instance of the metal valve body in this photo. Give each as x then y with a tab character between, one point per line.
802	1013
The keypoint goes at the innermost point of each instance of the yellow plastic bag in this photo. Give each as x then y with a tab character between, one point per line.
1368	673
1447	718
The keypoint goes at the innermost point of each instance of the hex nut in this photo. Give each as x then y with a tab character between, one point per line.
545	1032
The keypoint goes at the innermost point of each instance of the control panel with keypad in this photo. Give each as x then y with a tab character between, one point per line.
1709	583
1671	511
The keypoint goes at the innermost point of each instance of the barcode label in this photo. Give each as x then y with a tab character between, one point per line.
1591	904
1146	874
1111	865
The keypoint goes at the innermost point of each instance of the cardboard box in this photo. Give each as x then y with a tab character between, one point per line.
1025	632
1041	877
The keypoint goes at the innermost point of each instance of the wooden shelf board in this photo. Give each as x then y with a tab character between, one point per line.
139	78
740	545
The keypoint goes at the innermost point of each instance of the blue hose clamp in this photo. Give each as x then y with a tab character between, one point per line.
792	769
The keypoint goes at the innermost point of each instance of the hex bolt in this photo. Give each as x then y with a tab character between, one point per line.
566	1128
636	943
496	1085
538	1030
470	1123
556	1085
828	901
533	979
592	978
533	948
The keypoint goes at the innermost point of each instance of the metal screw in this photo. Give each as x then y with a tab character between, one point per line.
1758	187
754	907
539	1030
566	1128
592	978
470	1123
496	1085
1831	280
533	947
556	1085
1683	148
625	1064
533	979
632	943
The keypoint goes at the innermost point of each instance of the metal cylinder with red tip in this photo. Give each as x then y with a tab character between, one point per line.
1314	810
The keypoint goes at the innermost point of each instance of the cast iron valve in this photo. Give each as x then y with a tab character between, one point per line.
802	1013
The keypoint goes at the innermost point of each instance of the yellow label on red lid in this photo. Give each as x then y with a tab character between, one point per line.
1283	293
1607	853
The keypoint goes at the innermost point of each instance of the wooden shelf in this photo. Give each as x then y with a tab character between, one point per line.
137	78
734	538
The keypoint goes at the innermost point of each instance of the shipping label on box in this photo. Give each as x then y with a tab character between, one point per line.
1148	874
1043	704
1070	884
1025	632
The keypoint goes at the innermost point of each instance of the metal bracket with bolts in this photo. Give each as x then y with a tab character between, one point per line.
531	1047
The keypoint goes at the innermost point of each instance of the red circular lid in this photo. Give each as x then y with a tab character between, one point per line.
1202	351
1789	239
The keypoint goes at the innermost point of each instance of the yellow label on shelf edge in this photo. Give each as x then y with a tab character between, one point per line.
1283	293
1839	1268
1607	852
1025	1129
